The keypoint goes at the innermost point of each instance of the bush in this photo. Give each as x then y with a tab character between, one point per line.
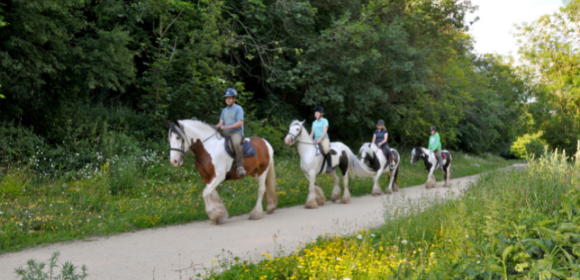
35	270
519	147
535	148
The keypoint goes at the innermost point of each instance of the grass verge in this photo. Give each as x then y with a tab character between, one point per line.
517	224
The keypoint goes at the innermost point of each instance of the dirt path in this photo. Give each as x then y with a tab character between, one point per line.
160	252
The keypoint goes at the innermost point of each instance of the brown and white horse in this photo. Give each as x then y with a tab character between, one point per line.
214	164
313	163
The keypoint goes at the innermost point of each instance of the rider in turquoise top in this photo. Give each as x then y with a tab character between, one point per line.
320	133
435	145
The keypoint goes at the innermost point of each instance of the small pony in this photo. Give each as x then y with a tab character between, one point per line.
374	158
431	164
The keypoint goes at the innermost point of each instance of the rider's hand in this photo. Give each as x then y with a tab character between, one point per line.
318	141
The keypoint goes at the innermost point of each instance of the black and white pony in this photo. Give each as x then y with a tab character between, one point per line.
431	164
373	157
312	164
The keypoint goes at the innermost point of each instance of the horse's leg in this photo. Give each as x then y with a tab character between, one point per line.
214	207
311	199
447	176
258	210
376	187
431	181
395	184
336	189
346	195
320	198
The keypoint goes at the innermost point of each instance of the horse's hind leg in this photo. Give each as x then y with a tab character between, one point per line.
346	195
376	187
335	196
320	198
395	184
258	210
448	176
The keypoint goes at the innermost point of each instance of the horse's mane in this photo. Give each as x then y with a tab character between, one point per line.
365	147
200	125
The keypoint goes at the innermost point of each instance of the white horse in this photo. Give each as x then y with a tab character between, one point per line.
312	164
374	158
431	164
215	165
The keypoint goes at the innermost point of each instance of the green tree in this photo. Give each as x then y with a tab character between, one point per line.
550	49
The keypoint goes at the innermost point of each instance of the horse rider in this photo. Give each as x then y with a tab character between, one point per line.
320	133
232	123
435	145
380	138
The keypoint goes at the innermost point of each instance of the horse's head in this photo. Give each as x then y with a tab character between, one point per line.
177	143
417	154
294	132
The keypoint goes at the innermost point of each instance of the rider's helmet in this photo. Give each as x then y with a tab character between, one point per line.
381	122
319	109
433	128
230	92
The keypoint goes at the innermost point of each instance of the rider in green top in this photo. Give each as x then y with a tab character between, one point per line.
435	145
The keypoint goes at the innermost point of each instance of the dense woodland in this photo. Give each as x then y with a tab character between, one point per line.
80	77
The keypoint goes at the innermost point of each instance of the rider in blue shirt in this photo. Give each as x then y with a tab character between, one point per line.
232	123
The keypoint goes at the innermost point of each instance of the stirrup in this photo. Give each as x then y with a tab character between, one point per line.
241	171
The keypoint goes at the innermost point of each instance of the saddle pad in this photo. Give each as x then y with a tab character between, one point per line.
247	147
443	156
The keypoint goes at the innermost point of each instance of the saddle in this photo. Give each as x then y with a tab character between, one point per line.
247	147
443	156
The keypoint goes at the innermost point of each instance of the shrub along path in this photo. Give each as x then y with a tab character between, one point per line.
160	253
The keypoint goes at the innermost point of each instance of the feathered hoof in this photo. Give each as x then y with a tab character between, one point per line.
256	215
396	187
218	218
345	200
271	209
388	191
321	201
377	192
312	204
447	185
335	197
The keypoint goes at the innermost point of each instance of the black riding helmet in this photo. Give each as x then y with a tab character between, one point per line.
319	109
381	122
433	128
230	92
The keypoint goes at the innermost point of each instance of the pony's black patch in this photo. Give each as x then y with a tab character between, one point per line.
333	152
343	162
372	162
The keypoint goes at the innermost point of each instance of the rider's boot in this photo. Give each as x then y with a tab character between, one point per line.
241	171
328	157
440	163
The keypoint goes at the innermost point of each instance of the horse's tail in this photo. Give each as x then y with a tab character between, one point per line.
271	186
356	168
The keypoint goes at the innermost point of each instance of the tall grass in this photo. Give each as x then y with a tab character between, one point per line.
511	224
127	193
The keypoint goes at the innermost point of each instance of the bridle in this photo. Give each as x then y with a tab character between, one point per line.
181	150
294	137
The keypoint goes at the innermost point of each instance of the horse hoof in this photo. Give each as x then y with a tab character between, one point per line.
311	204
271	209
256	215
345	201
388	192
376	194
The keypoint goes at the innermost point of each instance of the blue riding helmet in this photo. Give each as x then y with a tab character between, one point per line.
230	92
433	128
319	109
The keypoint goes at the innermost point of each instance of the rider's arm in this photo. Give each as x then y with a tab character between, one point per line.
219	125
233	126
374	138
385	141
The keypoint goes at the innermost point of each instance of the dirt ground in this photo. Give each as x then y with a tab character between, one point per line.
171	252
